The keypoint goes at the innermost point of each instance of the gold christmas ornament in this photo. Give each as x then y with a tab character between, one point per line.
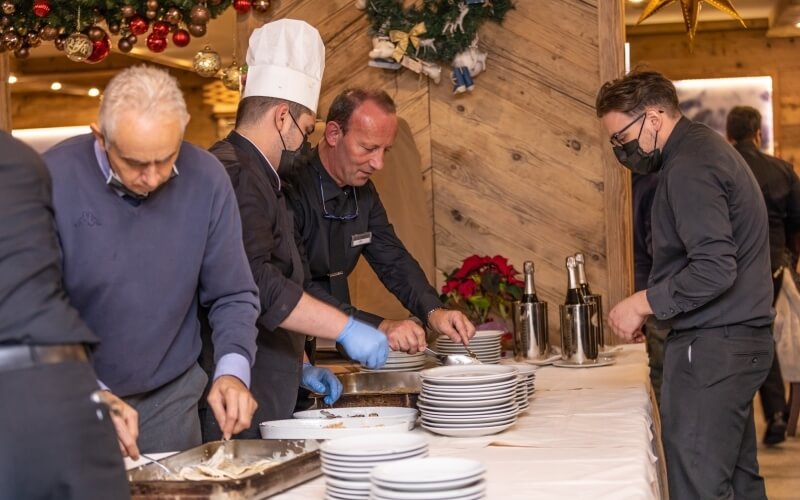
231	76
691	11
206	62
261	6
78	47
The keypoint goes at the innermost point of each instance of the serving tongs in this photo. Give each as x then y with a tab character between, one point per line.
455	359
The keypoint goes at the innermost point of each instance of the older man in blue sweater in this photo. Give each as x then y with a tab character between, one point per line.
150	230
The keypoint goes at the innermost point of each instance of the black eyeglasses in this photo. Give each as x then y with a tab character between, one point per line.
330	216
615	140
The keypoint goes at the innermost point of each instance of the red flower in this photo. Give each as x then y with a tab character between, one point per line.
449	286
501	263
470	265
466	289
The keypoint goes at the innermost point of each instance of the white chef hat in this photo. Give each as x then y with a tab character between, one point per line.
286	59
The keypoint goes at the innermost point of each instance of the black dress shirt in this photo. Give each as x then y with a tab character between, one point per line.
33	306
399	272
710	238
643	191
781	189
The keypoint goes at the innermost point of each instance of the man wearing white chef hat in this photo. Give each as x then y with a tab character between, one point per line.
286	59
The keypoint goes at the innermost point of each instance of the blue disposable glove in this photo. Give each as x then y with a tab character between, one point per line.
321	381
364	344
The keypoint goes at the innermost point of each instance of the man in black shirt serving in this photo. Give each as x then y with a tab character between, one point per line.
709	283
339	216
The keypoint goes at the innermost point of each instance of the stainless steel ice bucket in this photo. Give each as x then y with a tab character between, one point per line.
531	336
597	318
579	342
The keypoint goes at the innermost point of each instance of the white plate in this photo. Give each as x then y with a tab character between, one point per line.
477	397
524	369
424	408
480	334
348	493
412	362
443	403
375	445
307	428
480	386
470	425
502	417
468	432
468	374
347	485
489	412
429	470
568	364
424	496
401	354
360	412
351	476
369	462
406	369
457	488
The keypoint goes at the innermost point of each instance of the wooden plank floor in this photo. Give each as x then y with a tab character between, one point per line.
780	465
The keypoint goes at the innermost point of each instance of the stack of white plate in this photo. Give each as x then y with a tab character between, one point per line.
485	344
527	375
522	393
347	462
401	362
439	478
468	400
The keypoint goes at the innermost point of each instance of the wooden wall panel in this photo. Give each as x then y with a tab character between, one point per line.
734	53
5	95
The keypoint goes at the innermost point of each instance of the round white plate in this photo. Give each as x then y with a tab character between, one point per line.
480	334
374	445
393	370
351	476
412	362
333	495
429	470
568	364
468	432
360	411
347	485
306	428
456	488
475	397
470	387
489	412
443	403
524	369
468	374
348	492
501	417
424	408
470	425
368	463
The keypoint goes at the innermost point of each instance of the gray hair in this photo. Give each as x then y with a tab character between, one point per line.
143	90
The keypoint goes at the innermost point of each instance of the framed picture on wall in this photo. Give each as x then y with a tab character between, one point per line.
709	100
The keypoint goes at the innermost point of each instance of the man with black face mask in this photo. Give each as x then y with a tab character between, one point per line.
285	64
709	284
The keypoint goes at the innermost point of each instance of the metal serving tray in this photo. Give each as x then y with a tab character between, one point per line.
376	389
300	462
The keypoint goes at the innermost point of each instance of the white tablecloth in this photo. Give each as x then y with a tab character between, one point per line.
587	434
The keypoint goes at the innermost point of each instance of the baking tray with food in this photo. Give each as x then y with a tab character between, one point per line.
237	469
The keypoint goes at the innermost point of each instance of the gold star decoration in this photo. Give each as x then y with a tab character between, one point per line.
691	11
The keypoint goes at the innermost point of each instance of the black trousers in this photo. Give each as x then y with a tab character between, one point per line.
55	442
710	379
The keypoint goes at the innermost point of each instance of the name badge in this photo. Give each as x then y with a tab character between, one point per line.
361	239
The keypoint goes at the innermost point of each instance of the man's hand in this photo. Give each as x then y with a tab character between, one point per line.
125	420
364	344
404	335
454	324
321	381
232	404
627	317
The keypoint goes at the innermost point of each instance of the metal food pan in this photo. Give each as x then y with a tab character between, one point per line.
376	389
300	461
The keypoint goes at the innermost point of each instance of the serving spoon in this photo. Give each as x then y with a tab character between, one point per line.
454	359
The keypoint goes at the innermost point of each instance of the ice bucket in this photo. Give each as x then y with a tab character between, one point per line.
579	342
531	339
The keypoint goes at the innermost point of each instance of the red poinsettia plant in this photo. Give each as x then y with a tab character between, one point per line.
481	286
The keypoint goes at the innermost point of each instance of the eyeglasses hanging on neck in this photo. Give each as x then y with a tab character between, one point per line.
330	216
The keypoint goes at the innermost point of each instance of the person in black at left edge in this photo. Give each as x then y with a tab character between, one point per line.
58	440
781	189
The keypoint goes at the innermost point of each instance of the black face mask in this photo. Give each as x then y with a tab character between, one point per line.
298	157
632	156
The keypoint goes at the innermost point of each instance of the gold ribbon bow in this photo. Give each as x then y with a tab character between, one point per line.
401	39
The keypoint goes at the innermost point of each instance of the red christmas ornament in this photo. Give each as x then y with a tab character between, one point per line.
41	8
156	43
138	26
242	6
181	38
161	29
100	50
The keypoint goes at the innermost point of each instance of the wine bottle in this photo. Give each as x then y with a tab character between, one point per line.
582	282
573	288
529	295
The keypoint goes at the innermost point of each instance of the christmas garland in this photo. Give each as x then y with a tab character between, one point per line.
389	15
437	32
79	27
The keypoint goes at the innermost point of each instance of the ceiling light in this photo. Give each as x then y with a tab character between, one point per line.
55	86
12	79
797	25
94	92
635	1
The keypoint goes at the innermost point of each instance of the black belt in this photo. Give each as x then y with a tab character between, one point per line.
19	357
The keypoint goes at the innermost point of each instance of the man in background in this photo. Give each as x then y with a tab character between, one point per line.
339	217
781	189
150	232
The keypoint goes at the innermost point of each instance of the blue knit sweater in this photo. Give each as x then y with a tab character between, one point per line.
136	273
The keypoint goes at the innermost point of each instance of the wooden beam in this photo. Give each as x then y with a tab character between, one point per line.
245	25
617	182
5	94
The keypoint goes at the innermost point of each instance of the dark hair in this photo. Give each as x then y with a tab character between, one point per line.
252	109
345	104
635	91
743	124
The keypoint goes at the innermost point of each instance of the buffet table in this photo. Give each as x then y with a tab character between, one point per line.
588	432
